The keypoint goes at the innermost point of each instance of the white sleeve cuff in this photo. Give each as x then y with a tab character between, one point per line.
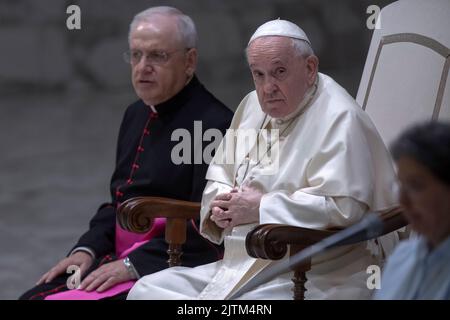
84	249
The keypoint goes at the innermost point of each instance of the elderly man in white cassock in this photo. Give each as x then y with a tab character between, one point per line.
327	168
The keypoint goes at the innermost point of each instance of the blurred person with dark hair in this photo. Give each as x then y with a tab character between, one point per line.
419	268
163	60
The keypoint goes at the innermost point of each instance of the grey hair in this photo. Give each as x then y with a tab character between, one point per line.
185	25
302	47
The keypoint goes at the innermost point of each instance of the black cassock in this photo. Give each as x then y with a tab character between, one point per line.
144	168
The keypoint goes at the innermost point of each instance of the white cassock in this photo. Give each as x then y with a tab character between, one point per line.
333	168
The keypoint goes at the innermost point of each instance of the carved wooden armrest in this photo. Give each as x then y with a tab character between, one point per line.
137	215
269	241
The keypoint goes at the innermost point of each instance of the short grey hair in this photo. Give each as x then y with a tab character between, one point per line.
185	25
302	47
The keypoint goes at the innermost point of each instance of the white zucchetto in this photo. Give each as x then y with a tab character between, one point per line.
282	28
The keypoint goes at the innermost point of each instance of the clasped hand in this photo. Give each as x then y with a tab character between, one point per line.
236	207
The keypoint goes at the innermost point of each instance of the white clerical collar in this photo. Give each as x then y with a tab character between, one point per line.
153	108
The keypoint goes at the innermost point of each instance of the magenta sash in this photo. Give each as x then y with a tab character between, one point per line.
126	242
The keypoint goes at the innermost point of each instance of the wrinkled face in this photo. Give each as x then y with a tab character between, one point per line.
426	200
281	76
165	65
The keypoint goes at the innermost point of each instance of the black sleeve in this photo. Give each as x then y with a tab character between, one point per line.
221	122
101	234
152	256
198	182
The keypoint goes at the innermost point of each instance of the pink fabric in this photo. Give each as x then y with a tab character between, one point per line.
93	295
126	242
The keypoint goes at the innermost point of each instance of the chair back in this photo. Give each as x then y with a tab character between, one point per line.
405	78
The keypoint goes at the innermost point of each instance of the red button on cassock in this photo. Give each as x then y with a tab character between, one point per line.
119	194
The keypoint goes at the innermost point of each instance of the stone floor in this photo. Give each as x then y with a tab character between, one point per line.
56	161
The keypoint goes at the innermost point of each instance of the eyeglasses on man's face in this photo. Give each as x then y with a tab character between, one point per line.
156	57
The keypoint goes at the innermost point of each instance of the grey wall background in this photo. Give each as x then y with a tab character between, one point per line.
63	93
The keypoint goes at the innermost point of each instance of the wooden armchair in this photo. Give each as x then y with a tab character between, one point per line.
137	215
271	241
392	84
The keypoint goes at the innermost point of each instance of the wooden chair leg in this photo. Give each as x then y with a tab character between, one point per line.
175	237
299	289
175	251
299	278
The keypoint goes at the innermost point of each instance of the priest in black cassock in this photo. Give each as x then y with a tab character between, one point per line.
163	59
